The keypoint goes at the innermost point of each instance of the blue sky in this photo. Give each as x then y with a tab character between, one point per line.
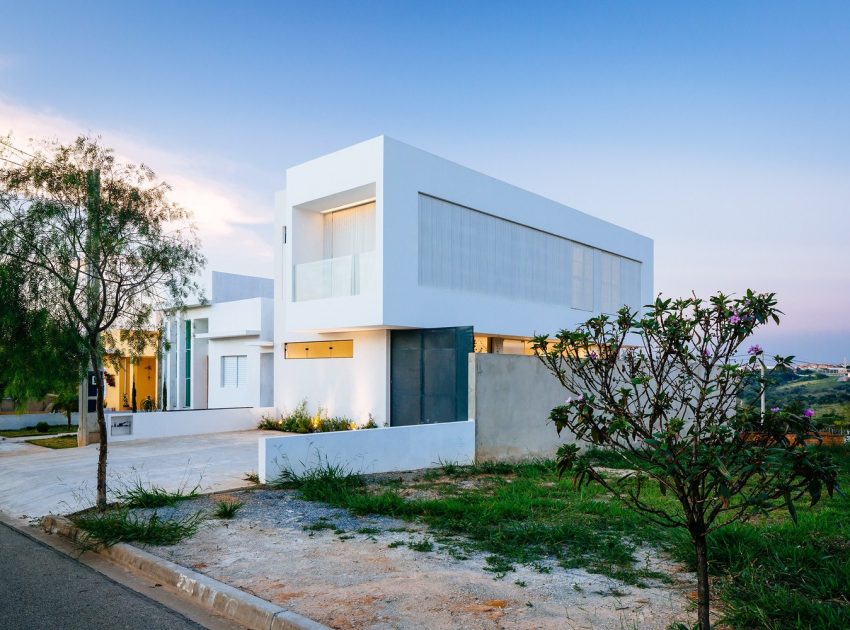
720	131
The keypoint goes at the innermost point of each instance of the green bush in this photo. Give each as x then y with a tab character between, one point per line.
42	427
301	421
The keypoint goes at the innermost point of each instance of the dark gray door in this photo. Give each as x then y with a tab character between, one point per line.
428	375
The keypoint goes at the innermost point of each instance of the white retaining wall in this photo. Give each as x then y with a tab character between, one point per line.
388	449
157	424
19	421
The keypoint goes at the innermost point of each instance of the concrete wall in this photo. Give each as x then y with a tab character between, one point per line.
510	398
369	450
159	424
227	287
19	421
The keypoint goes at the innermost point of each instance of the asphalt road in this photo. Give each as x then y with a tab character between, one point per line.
42	589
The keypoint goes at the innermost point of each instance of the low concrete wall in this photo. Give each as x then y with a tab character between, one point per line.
16	421
510	398
156	424
388	449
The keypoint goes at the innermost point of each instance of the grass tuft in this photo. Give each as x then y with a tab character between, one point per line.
227	508
140	495
119	525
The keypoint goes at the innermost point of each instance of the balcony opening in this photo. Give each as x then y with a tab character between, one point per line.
337	256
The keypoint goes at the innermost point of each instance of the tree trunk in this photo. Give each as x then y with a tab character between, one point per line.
101	425
68	416
703	593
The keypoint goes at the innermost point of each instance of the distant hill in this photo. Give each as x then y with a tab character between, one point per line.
823	393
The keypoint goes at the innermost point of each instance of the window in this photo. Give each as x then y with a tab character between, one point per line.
234	370
582	281
336	349
188	363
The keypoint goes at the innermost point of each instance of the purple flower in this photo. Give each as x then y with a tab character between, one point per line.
734	319
756	349
809	412
774	410
593	356
580	398
706	353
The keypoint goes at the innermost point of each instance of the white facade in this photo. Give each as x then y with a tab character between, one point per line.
382	236
220	354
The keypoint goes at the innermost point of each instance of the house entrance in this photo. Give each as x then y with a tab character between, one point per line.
428	375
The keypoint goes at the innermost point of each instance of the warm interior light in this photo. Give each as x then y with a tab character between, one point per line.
354	204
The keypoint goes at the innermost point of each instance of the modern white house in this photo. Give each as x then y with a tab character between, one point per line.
393	264
220	354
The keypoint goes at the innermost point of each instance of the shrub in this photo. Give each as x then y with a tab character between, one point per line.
301	421
42	427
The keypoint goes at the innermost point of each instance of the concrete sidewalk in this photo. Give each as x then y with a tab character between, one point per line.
35	481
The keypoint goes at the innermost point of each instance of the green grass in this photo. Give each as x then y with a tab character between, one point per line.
119	525
770	573
66	441
139	495
226	509
31	431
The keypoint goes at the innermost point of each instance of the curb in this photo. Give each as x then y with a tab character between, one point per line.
239	606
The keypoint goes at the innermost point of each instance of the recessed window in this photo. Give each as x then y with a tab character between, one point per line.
337	349
234	370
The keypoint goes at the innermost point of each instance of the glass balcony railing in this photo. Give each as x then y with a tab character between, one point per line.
335	277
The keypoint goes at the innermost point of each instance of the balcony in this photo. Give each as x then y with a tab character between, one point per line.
344	276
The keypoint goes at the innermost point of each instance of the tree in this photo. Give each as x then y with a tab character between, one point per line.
133	405
661	389
38	355
103	248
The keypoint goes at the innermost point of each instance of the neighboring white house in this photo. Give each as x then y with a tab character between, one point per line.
393	264
221	353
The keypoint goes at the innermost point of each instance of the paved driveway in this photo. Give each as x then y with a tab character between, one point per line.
35	481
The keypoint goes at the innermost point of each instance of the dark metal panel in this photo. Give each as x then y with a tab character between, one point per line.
428	375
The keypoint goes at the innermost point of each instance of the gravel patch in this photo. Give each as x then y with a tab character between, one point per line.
366	572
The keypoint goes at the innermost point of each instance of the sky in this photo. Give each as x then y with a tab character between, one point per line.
721	130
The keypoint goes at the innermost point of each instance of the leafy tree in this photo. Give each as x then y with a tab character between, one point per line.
103	248
67	400
660	389
38	355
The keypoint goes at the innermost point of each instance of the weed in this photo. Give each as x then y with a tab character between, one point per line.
140	495
369	530
226	508
450	469
424	545
119	525
396	543
252	477
520	583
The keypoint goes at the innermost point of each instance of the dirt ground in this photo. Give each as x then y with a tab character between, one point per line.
372	579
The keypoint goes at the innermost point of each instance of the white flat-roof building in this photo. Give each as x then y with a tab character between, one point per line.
392	264
220	354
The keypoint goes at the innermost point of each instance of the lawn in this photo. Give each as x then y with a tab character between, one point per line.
770	573
65	441
30	431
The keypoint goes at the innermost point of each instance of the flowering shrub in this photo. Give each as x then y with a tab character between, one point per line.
661	389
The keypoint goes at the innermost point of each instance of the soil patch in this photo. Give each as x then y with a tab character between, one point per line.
365	572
